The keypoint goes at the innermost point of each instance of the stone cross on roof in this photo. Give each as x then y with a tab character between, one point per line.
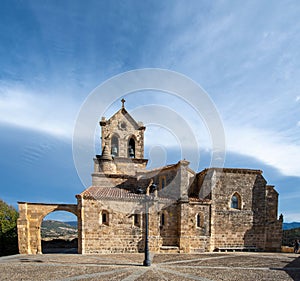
123	101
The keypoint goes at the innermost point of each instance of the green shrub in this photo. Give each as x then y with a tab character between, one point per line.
8	229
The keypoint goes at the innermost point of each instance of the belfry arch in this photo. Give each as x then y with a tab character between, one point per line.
29	224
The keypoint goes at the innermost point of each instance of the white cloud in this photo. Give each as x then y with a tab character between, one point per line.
291	217
53	115
290	196
269	147
251	88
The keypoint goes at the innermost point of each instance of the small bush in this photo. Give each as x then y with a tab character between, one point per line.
8	229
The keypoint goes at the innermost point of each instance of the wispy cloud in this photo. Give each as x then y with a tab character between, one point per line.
249	68
53	115
290	196
291	217
245	55
269	147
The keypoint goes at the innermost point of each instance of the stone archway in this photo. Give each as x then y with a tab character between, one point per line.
29	223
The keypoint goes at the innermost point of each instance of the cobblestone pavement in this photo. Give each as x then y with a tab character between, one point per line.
128	267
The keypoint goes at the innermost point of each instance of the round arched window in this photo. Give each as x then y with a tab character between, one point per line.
114	146
235	201
131	148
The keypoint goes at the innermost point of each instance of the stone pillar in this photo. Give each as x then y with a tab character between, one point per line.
183	210
35	231
29	233
184	179
23	229
79	223
183	231
155	241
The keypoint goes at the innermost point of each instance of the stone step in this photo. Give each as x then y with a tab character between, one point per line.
169	249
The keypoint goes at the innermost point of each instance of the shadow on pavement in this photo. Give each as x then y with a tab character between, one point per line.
293	268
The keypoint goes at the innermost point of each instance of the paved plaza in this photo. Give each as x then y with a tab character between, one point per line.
128	267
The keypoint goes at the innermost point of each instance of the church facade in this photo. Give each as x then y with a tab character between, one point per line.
191	212
215	209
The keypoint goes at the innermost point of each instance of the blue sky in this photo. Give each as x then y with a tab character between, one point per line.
245	54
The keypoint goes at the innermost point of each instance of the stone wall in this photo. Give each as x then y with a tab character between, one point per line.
120	233
191	237
274	230
252	224
169	225
199	235
245	226
114	180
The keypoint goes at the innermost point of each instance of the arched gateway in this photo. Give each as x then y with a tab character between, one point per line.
29	224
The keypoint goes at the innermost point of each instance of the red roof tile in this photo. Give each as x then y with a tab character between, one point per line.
114	193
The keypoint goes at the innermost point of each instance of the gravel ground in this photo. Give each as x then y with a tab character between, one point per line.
128	267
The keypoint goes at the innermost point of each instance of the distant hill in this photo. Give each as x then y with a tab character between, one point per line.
289	236
290	225
52	229
72	223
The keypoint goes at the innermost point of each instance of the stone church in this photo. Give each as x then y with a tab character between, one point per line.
214	209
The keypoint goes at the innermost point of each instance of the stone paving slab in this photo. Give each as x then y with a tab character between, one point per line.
128	267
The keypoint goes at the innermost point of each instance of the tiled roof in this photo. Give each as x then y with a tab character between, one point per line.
114	193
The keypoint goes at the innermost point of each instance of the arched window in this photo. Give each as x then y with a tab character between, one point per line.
136	219
114	146
162	182
104	218
131	148
235	201
198	220
162	219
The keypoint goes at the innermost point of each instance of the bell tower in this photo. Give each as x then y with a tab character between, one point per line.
122	144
